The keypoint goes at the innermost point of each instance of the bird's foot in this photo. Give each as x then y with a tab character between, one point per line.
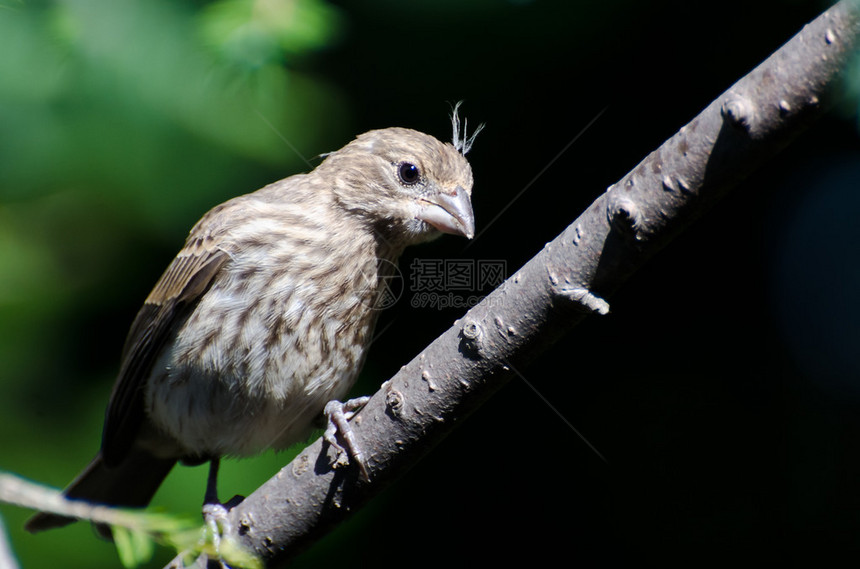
217	521
338	415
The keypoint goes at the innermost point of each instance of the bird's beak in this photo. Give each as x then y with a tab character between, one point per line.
449	212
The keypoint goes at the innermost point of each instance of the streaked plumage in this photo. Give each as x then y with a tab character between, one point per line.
266	313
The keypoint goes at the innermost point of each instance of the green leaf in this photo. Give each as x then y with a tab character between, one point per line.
236	556
134	547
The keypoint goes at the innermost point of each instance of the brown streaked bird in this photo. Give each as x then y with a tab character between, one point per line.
266	314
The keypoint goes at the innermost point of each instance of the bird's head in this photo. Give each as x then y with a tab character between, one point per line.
406	184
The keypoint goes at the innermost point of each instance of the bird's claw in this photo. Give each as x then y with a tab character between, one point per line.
338	415
217	521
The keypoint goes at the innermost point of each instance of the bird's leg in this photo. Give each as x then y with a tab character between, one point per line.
214	512
338	415
211	496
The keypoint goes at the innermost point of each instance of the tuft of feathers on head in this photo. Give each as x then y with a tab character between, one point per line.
462	144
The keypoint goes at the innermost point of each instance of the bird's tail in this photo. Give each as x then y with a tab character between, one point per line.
132	483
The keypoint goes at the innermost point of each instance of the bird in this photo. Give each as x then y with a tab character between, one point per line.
261	323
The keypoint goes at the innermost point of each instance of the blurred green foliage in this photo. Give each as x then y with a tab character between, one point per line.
121	122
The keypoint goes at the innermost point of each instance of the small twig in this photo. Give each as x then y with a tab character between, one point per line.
134	531
7	558
20	492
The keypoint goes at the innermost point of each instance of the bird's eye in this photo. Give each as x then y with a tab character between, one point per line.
408	172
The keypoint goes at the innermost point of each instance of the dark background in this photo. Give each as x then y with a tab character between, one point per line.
723	388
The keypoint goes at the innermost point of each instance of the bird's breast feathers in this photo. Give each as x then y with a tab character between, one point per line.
314	319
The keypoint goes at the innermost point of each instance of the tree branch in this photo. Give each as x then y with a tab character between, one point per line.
553	292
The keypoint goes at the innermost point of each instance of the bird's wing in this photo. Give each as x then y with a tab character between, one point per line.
181	285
